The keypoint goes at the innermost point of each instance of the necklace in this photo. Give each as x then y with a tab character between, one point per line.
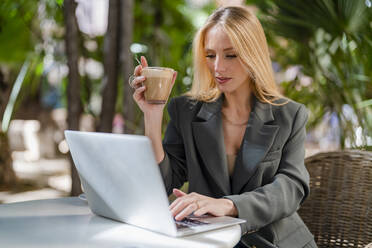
233	123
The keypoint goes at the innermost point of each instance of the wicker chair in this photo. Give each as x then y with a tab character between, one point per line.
339	209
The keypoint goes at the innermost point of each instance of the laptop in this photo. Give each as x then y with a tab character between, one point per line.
122	181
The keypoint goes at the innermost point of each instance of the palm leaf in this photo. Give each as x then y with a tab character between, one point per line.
331	40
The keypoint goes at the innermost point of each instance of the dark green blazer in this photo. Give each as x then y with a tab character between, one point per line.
269	181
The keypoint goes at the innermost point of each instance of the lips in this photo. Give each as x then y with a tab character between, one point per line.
222	80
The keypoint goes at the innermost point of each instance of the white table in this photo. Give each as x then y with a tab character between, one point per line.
68	222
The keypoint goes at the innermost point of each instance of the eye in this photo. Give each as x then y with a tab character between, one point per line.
230	56
210	56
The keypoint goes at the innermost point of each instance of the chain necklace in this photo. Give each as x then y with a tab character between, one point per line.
233	123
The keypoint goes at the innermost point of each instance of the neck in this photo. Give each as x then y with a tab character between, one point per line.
238	103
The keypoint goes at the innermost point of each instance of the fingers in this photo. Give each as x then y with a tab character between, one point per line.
137	70
174	203
174	77
181	203
185	204
202	210
144	61
139	93
137	82
186	211
196	204
178	193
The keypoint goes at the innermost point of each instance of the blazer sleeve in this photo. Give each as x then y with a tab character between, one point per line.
173	167
290	186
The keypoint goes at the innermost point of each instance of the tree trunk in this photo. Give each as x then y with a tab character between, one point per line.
126	60
7	175
111	65
73	87
4	93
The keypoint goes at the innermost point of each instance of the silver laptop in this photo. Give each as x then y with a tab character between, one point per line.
122	181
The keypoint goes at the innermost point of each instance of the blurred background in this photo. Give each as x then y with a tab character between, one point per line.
64	64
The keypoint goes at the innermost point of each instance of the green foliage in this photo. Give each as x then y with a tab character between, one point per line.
16	36
166	28
54	10
167	31
330	39
21	39
59	2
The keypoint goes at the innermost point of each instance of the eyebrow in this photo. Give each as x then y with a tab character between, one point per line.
226	49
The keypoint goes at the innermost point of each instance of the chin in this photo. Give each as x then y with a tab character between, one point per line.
231	88
225	89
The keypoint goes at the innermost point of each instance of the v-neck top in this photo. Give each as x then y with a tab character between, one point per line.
231	163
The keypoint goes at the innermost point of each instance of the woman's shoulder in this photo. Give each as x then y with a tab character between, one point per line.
289	107
183	107
184	103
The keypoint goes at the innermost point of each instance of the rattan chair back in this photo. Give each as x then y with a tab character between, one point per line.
339	209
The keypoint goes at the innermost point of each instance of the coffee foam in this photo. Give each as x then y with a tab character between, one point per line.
157	72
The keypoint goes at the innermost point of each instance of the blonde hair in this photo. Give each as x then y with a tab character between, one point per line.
249	42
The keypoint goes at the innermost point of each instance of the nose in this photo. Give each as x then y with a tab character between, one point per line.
219	65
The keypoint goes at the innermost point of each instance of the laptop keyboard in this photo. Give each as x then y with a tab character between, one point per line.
188	222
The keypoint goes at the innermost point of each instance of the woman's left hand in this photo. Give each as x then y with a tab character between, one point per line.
198	204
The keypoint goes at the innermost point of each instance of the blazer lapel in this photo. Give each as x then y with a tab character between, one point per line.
208	137
258	138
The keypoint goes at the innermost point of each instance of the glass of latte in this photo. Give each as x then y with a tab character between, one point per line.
158	82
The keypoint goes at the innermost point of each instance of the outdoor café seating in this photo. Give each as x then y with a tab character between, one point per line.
339	209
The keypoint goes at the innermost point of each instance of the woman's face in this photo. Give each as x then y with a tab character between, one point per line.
223	62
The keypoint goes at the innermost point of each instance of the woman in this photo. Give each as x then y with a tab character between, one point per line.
233	137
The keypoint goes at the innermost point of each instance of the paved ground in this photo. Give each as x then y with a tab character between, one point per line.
42	179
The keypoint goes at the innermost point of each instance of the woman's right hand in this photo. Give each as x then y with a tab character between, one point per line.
153	113
139	96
